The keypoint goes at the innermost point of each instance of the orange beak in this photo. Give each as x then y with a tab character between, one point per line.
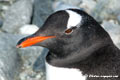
33	40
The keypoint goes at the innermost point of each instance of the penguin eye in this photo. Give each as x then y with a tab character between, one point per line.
68	31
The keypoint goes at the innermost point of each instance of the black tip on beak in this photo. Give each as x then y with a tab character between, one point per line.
20	41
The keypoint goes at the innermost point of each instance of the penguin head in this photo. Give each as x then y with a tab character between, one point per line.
69	31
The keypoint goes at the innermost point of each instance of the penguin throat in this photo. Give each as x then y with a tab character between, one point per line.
73	60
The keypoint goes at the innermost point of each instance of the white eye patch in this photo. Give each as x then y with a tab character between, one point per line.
74	19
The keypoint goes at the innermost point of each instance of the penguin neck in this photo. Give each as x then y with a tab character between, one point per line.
77	61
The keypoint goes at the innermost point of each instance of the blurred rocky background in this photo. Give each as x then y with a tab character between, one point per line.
19	18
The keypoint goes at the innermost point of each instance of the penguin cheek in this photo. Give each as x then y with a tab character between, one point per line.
48	43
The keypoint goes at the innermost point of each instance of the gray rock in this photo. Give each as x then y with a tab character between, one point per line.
58	5
29	56
28	29
114	31
88	5
4	0
4	7
72	2
115	8
106	9
19	61
30	75
10	62
99	10
42	9
8	1
1	23
118	18
18	15
39	64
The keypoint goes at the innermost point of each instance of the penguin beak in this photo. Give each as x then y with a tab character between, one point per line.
29	41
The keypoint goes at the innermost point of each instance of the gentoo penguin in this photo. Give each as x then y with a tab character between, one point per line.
79	48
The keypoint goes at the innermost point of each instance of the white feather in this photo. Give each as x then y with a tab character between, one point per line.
74	19
57	73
